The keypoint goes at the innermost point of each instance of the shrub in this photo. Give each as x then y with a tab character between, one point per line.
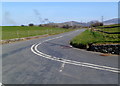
31	24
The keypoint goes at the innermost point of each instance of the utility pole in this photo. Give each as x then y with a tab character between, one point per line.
71	23
102	19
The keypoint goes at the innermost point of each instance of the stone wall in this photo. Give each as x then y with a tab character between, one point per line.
106	48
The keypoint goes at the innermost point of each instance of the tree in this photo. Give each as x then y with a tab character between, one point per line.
66	26
40	25
22	25
31	24
96	23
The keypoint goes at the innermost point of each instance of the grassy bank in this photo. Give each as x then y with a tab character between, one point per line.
110	28
88	37
11	32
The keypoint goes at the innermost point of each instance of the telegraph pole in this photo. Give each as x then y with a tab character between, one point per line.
102	19
71	23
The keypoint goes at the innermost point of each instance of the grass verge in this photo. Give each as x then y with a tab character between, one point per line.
89	37
11	32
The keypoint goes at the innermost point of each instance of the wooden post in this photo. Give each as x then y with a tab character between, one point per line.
17	34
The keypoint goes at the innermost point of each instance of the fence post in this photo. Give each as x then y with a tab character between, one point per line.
36	33
51	31
28	33
47	31
17	34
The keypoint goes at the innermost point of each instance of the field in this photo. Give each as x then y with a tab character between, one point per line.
95	37
11	32
110	28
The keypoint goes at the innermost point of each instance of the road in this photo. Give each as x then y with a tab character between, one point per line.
52	60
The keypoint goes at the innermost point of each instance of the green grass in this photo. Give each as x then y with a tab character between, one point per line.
110	28
11	32
89	37
116	29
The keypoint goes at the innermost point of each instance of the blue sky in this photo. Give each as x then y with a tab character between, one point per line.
17	13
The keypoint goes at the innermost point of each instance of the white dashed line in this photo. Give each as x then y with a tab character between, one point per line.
62	67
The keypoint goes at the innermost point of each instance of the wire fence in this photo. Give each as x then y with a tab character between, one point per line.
28	33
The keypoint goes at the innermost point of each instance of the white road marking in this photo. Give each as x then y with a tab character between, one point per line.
62	67
94	66
60	70
0	84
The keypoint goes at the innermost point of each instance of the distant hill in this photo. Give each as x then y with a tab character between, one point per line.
112	21
75	23
107	22
70	23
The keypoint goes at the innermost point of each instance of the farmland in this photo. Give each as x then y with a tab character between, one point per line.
11	32
110	28
95	37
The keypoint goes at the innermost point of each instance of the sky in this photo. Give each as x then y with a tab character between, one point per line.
18	13
60	0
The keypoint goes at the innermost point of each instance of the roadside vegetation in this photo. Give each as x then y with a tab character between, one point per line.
11	32
89	37
110	28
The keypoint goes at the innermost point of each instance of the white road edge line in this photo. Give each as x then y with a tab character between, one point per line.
37	52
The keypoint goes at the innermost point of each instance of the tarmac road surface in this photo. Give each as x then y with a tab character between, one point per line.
52	60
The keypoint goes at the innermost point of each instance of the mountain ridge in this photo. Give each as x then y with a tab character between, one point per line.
76	23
